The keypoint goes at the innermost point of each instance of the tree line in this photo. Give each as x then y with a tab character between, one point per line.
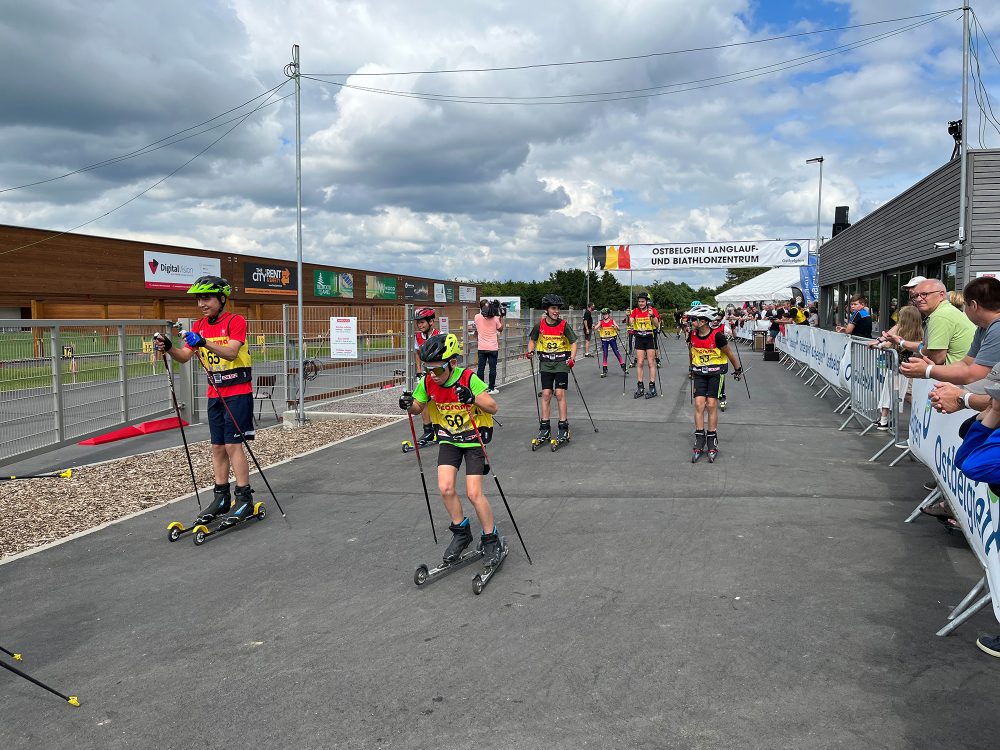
607	291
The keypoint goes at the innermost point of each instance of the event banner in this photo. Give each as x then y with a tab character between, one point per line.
380	287
261	278
343	338
332	284
169	271
809	279
737	254
934	440
416	291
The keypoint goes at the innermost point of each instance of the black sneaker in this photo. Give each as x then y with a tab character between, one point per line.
882	426
990	644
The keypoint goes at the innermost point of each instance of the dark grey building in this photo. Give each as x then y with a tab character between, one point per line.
882	251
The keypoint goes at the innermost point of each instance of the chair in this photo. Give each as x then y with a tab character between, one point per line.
265	391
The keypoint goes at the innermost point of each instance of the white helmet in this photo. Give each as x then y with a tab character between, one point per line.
703	311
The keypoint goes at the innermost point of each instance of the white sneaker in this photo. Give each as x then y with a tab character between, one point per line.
882	426
493	390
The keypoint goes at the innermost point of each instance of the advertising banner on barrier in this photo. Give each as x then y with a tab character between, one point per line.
734	254
934	440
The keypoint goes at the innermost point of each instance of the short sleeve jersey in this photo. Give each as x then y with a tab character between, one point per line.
232	378
862	321
985	348
449	415
949	329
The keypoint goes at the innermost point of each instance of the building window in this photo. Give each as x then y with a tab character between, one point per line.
948	275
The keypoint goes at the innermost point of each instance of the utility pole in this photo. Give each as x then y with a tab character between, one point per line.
819	200
297	75
963	196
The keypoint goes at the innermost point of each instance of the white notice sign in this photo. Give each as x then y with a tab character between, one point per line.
443	324
343	338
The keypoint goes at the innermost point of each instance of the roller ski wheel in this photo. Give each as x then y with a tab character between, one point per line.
424	575
696	455
560	440
480	580
408	446
202	532
712	455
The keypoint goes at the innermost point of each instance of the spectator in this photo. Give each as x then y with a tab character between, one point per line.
860	323
910	326
957	299
813	315
588	329
489	323
949	333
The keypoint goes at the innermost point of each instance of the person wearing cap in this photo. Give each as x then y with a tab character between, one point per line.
949	332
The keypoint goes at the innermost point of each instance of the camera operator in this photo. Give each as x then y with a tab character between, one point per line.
489	323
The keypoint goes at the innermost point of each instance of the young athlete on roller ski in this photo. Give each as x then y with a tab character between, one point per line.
219	340
607	330
446	391
423	320
711	354
554	340
645	321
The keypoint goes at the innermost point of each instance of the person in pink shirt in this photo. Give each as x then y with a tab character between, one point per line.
489	323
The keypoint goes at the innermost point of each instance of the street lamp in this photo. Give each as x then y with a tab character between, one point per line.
819	201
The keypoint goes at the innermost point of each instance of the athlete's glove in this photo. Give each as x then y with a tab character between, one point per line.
464	395
738	373
165	343
529	355
193	340
406	401
570	363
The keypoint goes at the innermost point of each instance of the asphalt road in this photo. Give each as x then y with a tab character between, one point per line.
774	599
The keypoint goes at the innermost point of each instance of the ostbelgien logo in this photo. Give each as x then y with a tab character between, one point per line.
793	249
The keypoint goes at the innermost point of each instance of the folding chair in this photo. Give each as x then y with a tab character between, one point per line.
265	391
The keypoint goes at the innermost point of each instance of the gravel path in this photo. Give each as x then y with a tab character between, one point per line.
37	511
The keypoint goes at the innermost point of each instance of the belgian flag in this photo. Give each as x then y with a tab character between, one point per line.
611	257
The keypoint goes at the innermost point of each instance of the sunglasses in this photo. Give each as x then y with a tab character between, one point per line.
436	369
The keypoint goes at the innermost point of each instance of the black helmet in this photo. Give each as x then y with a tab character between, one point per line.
423	313
552	300
605	311
440	348
211	285
642	295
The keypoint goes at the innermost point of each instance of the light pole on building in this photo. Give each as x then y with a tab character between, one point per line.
819	200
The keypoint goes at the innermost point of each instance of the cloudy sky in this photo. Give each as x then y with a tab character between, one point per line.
474	189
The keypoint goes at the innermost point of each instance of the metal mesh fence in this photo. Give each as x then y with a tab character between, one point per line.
61	381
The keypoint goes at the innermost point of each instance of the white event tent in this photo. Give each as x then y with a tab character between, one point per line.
771	286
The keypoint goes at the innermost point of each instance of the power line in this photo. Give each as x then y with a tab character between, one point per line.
627	94
149	148
638	57
160	181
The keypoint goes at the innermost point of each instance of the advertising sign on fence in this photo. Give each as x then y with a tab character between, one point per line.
343	338
170	271
333	284
467	294
934	440
686	255
380	287
416	291
265	278
439	295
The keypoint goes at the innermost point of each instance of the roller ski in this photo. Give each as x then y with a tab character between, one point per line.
699	446
244	509
494	551
713	447
455	556
640	391
604	371
425	439
562	437
544	434
221	503
651	393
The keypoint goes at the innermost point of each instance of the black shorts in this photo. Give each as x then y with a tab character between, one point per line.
221	427
644	342
709	385
475	459
553	380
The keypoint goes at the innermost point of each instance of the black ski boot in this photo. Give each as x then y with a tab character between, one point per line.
462	538
640	391
242	506
604	371
427	437
651	393
622	365
492	549
699	445
713	446
221	503
544	433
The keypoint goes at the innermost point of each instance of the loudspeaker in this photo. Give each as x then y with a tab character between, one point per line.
772	356
840	220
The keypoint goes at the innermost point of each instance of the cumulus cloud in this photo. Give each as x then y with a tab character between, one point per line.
466	190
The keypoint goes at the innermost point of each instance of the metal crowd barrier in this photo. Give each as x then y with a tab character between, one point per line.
874	387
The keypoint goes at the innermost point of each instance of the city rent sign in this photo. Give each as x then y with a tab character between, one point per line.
261	278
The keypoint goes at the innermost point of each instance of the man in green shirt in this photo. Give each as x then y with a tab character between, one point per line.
554	340
949	332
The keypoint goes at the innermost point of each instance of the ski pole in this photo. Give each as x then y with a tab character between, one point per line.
423	481
60	475
211	382
583	399
70	699
11	654
531	361
656	343
745	381
180	424
496	479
